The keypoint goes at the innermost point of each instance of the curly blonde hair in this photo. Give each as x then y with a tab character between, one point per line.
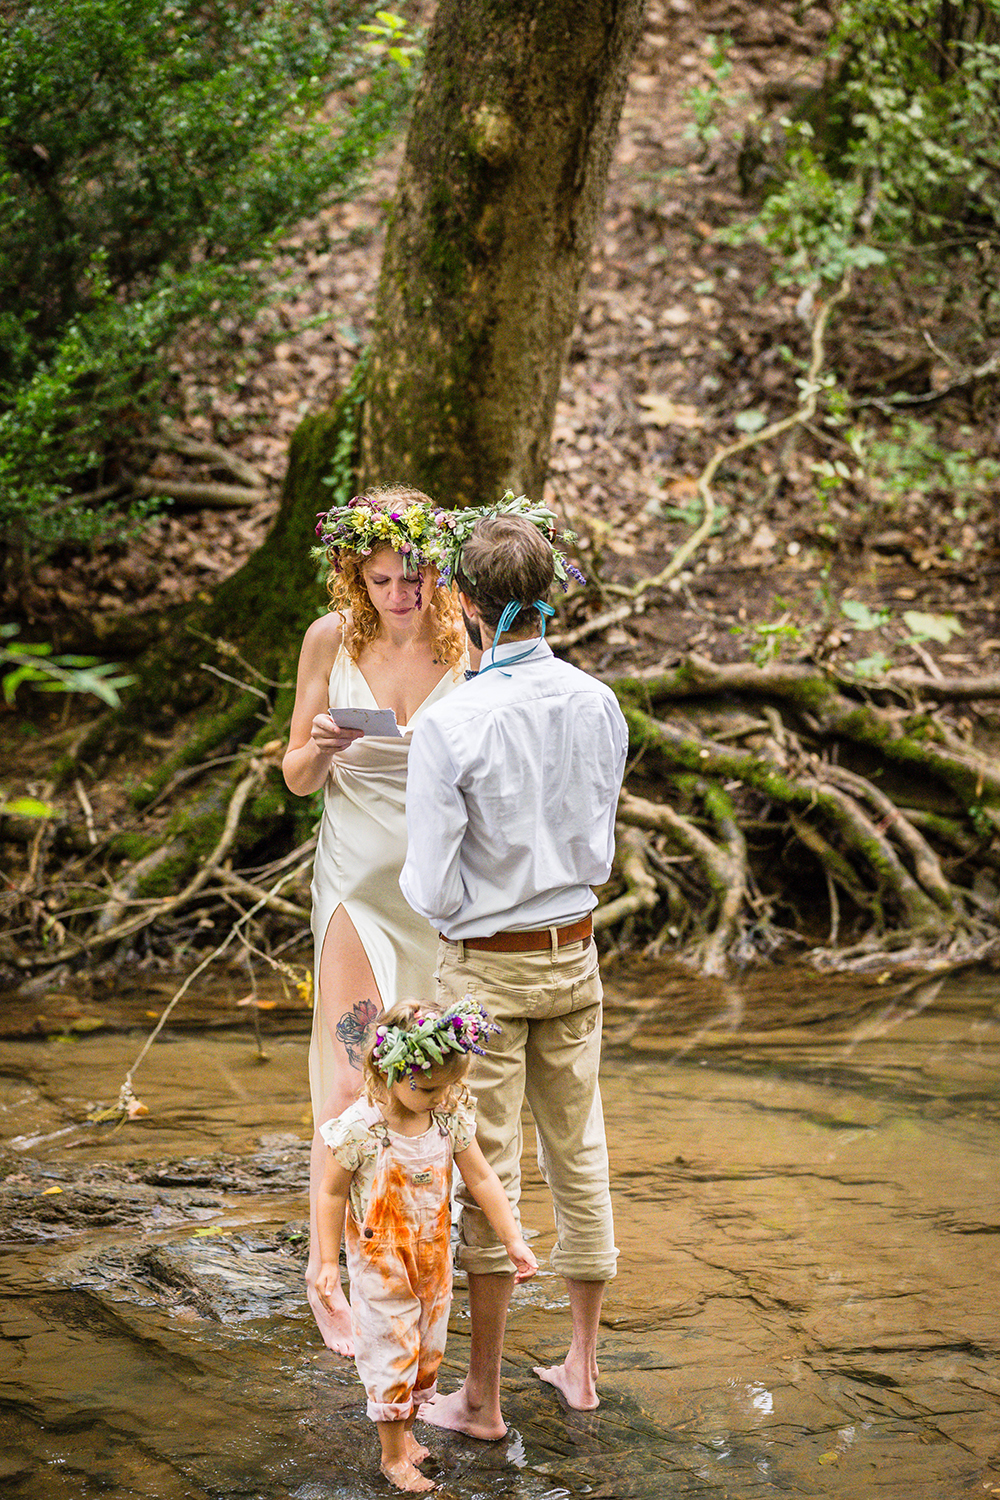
406	1013
349	593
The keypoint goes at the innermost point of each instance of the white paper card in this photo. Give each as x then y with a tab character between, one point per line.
380	721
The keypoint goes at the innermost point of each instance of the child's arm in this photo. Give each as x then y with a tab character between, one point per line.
331	1207
484	1185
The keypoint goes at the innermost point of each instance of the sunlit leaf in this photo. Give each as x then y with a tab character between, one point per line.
27	807
932	627
861	616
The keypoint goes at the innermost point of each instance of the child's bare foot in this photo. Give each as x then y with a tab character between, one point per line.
404	1476
415	1451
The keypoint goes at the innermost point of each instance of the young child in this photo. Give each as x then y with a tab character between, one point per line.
388	1173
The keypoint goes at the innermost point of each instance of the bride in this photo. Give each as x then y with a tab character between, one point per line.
393	640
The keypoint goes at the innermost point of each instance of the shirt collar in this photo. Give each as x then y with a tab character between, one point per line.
507	649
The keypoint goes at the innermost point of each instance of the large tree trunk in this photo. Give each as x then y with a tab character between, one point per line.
498	201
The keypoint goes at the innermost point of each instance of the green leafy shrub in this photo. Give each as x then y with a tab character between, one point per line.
151	154
901	148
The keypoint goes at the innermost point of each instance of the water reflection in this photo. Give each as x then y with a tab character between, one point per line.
806	1193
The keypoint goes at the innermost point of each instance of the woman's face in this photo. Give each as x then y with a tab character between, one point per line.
392	593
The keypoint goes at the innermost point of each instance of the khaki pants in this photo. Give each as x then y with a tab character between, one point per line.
548	1052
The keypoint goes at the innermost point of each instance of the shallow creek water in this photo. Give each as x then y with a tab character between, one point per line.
807	1198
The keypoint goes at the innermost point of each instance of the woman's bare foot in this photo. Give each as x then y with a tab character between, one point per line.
404	1476
415	1451
334	1324
454	1413
577	1389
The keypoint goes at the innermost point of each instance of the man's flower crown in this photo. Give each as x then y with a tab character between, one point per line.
429	1041
458	525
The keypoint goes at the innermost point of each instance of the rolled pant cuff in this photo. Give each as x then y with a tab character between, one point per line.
484	1260
398	1411
601	1266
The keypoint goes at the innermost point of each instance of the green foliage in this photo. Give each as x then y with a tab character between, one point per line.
767	640
151	154
925	627
909	461
708	104
903	147
390	36
811	220
35	664
861	617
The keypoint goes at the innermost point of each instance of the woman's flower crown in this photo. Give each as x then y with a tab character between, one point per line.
429	1041
414	529
424	535
458	526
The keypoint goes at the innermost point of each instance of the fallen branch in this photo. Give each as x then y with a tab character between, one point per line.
169	904
205	496
178	442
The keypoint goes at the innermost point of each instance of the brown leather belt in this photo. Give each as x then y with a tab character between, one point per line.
529	942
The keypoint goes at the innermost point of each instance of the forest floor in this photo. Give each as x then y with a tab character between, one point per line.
867	545
683	342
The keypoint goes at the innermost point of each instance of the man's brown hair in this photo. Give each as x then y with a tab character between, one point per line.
506	558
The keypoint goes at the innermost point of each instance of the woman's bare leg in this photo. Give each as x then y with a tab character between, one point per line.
349	1001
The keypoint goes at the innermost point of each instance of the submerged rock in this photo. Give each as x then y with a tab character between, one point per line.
225	1275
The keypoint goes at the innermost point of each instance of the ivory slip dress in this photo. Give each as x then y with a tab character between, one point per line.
362	845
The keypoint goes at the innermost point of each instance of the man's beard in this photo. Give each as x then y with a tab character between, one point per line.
473	632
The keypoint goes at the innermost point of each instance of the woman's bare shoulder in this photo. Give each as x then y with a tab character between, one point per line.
325	635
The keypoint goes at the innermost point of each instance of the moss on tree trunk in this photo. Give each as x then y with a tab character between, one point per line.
498	199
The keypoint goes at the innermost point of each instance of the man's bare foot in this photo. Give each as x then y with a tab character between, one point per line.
578	1391
454	1413
334	1326
415	1451
404	1476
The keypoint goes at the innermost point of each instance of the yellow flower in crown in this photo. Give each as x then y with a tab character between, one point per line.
414	531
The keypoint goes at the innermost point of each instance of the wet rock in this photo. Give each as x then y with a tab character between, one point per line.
42	1201
228	1278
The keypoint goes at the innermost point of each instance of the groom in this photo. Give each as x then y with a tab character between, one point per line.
512	788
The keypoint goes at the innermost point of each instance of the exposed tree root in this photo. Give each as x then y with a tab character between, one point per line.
828	779
765	808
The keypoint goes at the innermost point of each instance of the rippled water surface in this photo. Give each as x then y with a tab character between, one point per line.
807	1195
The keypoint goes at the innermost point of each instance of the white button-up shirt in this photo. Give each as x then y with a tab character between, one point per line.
511	794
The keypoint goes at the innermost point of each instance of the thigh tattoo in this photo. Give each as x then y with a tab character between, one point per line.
351	1028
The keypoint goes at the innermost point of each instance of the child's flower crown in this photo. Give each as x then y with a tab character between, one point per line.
414	529
428	1041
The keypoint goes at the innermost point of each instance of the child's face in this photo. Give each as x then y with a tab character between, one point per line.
428	1090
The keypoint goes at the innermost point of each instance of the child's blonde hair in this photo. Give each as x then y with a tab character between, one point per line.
407	1016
